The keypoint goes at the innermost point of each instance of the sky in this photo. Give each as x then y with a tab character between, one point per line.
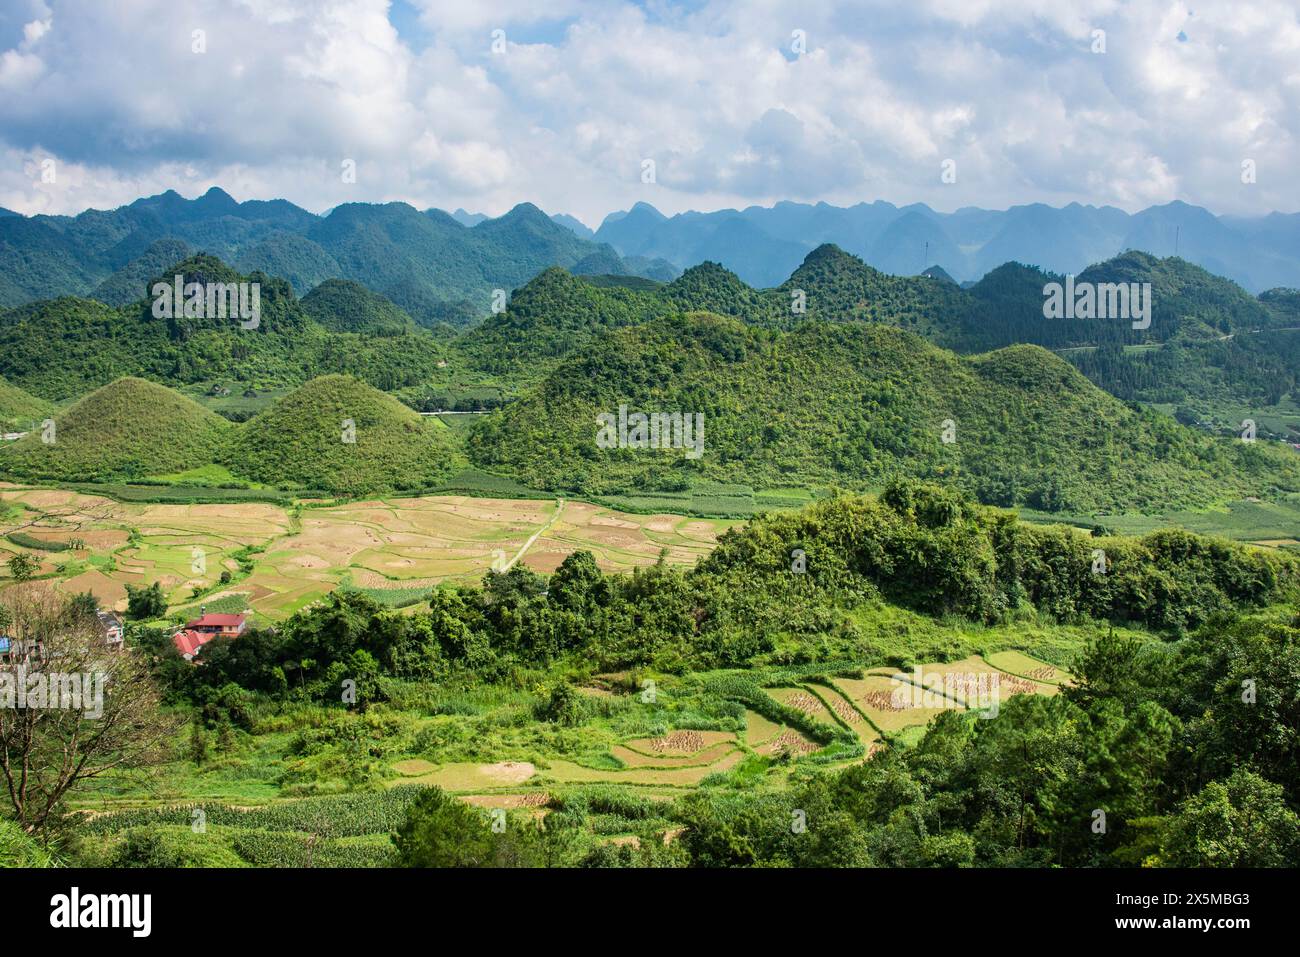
567	103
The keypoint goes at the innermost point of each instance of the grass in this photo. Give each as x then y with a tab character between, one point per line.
713	500
483	744
1242	521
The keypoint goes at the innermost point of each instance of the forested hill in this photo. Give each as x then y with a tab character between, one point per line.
858	404
64	348
1208	341
427	262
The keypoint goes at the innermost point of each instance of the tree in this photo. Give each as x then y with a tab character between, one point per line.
146	603
440	831
22	566
578	583
1240	822
83	605
87	710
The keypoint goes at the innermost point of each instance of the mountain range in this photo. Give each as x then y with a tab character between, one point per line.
763	245
445	267
430	263
1208	343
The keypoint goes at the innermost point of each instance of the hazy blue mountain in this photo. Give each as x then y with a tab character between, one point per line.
579	228
912	242
1058	240
728	237
1259	252
658	269
468	219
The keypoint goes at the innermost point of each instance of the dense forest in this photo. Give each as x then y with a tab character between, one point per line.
856	404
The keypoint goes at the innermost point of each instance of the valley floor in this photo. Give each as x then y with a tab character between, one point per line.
281	558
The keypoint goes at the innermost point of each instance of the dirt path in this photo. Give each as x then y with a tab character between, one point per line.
559	507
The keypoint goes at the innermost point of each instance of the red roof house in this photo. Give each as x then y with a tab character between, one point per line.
225	626
203	629
189	642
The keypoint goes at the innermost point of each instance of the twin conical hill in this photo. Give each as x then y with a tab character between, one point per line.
339	435
130	428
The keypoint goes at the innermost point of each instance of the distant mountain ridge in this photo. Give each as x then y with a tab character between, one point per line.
430	263
763	245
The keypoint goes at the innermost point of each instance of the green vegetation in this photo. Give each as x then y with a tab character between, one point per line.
18	410
129	429
856	405
64	347
428	263
24	540
341	305
338	434
383	709
712	704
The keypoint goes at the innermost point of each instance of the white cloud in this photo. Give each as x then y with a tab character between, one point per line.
586	90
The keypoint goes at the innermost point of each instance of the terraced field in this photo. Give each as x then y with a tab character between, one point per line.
281	559
881	707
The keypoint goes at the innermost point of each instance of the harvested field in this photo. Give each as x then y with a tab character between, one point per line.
805	701
789	742
970	681
567	772
679	743
876	696
381	544
533	799
464	776
1019	663
759	730
708	755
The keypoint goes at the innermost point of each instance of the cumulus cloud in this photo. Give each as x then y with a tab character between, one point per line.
735	102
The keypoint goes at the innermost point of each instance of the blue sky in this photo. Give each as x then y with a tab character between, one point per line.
734	103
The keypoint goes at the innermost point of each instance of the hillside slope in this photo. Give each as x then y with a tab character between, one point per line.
857	404
341	305
20	410
63	348
340	435
128	429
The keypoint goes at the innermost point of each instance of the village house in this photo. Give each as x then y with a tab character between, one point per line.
14	651
110	626
203	629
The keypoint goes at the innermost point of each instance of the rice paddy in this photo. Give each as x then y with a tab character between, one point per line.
282	558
